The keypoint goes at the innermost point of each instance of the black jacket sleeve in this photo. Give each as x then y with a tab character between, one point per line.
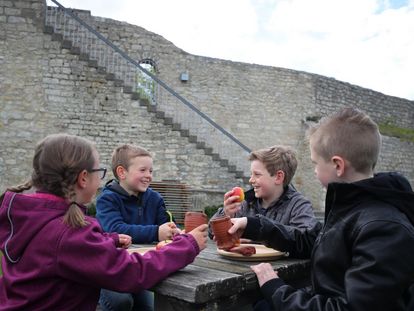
284	238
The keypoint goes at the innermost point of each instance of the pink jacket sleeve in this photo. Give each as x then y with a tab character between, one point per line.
86	255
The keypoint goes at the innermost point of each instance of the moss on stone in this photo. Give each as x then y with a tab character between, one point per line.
392	130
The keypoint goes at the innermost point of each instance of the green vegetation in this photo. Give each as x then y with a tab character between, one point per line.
145	84
91	209
389	129
211	210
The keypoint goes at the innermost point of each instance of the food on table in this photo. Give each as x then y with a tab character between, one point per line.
245	250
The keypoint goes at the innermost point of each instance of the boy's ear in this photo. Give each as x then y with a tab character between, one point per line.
81	180
339	163
279	177
120	172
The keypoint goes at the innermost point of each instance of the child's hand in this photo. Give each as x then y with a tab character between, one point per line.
239	224
231	204
174	228
200	235
167	231
124	240
264	273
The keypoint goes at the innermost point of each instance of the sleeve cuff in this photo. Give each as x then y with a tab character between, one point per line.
269	288
252	229
192	241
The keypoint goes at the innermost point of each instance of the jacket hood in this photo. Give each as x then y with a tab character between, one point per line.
392	188
23	216
114	186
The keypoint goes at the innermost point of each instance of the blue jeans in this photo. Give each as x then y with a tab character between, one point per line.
115	301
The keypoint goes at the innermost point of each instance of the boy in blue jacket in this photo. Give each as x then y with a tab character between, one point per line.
127	205
362	259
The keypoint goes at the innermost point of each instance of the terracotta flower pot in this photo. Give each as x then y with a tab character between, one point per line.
220	227
194	219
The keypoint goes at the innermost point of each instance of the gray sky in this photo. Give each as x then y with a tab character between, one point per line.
369	43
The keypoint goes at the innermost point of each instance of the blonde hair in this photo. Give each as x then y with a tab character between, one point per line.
277	158
351	134
57	162
122	156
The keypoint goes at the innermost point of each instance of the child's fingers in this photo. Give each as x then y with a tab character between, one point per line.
227	194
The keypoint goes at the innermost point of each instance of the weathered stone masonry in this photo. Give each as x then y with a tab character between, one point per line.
45	89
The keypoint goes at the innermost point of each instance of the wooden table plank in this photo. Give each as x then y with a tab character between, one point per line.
198	285
213	282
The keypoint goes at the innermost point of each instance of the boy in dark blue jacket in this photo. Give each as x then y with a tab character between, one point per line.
127	205
363	257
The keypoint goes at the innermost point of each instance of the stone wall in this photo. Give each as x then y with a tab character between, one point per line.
45	89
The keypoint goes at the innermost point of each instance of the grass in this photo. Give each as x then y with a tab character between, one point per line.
389	129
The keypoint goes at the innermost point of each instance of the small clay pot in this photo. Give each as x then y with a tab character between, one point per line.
220	227
194	219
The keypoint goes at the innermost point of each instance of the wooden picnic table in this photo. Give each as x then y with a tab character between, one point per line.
214	282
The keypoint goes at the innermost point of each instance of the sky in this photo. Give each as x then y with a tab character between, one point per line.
369	43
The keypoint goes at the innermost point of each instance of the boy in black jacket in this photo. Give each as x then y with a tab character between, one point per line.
363	257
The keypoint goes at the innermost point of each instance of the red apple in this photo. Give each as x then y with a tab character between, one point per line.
238	191
161	244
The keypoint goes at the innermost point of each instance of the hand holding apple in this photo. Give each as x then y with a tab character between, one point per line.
232	201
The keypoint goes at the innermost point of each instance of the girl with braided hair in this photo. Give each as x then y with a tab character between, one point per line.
56	257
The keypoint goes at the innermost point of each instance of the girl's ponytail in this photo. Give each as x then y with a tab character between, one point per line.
57	162
74	217
20	188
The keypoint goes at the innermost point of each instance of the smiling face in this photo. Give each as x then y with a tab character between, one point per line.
265	186
138	176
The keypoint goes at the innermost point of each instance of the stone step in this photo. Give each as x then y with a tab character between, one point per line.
67	44
127	89
93	63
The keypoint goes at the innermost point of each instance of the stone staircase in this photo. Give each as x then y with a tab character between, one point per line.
155	110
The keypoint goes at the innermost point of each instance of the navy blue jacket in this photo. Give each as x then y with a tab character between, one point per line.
138	216
362	258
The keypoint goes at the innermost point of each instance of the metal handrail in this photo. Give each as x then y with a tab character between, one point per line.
151	75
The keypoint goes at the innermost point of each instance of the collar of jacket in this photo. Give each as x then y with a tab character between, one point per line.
287	194
391	188
114	185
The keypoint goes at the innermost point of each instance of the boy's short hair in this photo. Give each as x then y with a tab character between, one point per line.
277	158
122	156
351	134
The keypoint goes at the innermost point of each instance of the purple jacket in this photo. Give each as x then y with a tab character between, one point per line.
50	266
